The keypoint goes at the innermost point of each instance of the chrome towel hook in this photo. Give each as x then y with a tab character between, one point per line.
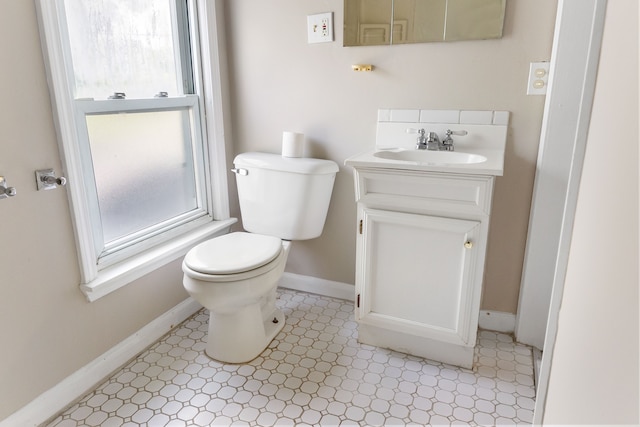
6	191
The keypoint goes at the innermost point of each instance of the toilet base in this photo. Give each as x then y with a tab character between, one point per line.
241	337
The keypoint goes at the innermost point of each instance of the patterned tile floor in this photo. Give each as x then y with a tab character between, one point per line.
313	373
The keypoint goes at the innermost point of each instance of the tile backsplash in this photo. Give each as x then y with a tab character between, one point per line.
485	126
470	117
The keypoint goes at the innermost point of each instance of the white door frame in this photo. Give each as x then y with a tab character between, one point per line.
573	68
573	71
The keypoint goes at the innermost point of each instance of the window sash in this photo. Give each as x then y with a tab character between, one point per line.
182	29
107	253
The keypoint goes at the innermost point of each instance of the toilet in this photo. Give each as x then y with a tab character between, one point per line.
235	276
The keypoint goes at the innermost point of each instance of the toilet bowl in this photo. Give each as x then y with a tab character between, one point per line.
235	276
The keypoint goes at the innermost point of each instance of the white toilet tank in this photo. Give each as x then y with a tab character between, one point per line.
282	196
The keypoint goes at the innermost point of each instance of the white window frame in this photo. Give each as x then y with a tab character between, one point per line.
208	38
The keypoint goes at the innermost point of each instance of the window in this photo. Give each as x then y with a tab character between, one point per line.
145	168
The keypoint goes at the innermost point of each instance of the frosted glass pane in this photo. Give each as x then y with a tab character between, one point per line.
122	46
143	165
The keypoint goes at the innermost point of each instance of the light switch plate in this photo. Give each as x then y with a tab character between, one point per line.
320	28
538	78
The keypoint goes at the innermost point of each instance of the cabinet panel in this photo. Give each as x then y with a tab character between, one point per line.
402	190
417	273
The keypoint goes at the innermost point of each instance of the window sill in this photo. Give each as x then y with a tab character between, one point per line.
125	272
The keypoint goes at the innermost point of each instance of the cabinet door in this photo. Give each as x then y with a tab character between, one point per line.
415	274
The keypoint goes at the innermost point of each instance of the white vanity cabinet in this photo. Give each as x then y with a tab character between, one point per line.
421	243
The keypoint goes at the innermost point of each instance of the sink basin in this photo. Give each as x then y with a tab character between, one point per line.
481	152
431	157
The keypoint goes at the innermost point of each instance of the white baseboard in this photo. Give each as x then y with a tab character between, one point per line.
497	321
315	285
76	385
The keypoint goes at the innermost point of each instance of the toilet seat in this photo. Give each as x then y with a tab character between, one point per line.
233	256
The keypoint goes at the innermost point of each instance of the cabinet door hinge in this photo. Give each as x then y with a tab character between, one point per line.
358	301
360	228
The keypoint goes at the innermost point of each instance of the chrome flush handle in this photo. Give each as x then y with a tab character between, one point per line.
240	171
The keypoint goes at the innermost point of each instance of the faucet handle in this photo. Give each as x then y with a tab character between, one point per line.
421	141
447	142
420	131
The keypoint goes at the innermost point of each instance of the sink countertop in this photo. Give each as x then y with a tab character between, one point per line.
485	140
494	165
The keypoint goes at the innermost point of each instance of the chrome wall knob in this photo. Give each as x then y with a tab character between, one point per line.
52	180
46	179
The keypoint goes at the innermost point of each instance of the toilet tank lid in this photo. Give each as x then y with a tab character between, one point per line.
302	165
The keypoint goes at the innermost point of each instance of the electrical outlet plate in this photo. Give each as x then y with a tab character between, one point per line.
538	78
320	28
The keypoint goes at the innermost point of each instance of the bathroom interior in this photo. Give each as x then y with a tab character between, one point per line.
273	80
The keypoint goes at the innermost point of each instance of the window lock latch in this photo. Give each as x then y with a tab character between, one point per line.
118	95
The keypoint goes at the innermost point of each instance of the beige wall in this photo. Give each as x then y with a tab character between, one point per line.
595	366
48	329
279	82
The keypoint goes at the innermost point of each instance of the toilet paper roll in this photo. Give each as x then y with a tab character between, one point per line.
292	144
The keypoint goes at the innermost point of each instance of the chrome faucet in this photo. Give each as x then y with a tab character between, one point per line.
431	142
